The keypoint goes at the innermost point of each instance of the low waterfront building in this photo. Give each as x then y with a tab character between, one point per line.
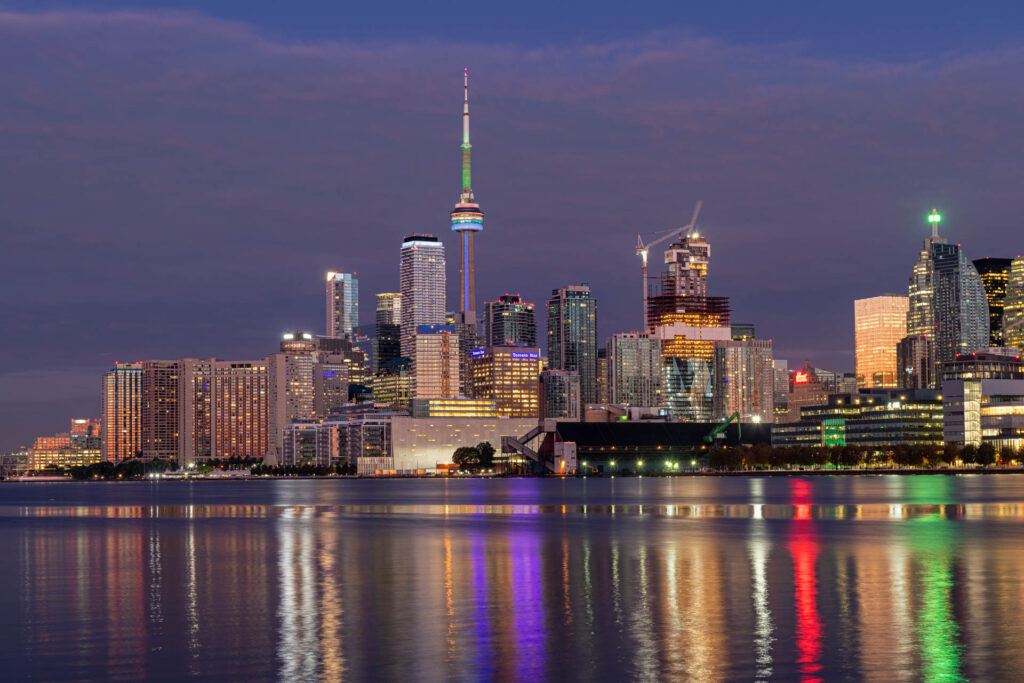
872	418
983	399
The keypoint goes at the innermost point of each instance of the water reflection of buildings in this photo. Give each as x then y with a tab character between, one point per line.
530	590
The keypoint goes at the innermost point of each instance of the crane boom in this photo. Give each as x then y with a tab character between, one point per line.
714	433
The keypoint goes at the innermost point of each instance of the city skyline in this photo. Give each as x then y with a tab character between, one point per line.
146	308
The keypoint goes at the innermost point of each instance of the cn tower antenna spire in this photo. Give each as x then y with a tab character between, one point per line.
467	191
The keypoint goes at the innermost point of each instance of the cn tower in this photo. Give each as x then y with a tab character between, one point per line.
467	219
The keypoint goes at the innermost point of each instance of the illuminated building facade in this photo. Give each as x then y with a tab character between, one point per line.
81	445
560	394
983	399
995	275
880	322
435	362
572	335
387	341
420	444
160	423
1013	307
634	369
878	417
509	321
422	285
453	407
241	409
510	376
744	380
330	383
603	391
342	304
921	294
392	385
122	412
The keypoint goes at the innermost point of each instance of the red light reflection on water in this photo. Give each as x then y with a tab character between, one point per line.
804	549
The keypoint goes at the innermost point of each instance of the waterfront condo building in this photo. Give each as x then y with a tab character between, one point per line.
160	420
241	409
880	322
122	412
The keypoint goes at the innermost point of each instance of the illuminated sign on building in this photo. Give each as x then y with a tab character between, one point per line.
531	355
478	353
800	378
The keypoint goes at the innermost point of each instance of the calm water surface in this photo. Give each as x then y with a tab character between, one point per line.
831	578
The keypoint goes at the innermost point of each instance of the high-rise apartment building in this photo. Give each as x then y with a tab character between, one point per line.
634	369
560	394
509	321
435	362
995	275
241	409
122	412
510	376
879	323
387	341
342	304
290	387
744	380
392	384
422	284
195	410
572	335
1013	309
160	425
604	392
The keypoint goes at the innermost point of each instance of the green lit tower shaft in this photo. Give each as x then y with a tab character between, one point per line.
467	219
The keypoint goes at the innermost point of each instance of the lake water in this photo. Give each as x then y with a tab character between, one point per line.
702	578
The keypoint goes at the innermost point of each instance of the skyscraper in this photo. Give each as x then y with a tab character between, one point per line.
1013	310
509	320
422	284
467	220
961	310
342	304
572	336
688	322
387	344
914	362
122	412
947	301
195	410
634	369
879	323
994	274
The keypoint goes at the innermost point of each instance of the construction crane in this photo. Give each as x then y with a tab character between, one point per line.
718	431
643	247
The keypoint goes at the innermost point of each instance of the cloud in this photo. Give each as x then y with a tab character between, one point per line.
172	179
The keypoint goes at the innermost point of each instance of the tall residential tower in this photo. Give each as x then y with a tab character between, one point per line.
342	304
422	283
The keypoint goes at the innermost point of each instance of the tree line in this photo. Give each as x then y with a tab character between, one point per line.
764	456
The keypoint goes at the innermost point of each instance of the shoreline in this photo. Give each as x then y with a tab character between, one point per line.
947	471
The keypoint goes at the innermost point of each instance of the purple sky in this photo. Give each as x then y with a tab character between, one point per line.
175	184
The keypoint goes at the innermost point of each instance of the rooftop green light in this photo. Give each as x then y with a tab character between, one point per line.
934	217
